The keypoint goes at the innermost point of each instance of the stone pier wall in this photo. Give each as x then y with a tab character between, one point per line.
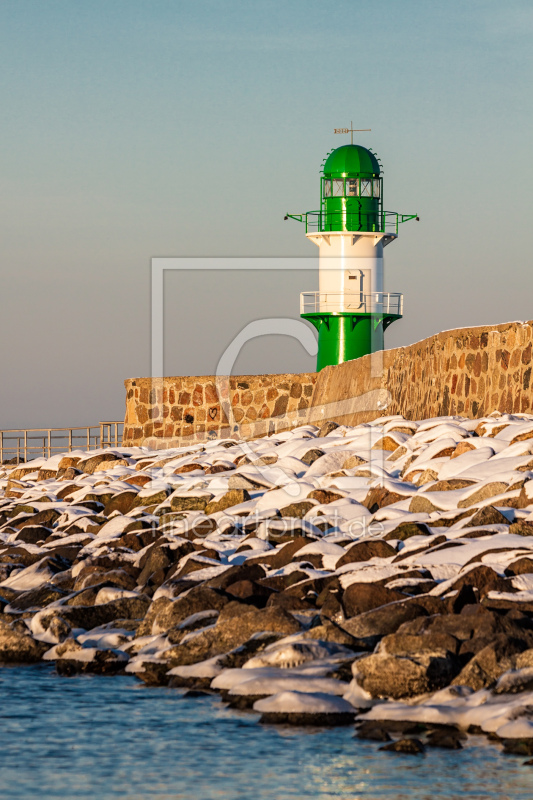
466	372
469	372
168	411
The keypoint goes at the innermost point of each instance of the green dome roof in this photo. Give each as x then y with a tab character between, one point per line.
351	158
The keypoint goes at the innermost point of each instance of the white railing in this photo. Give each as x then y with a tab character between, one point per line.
23	444
354	302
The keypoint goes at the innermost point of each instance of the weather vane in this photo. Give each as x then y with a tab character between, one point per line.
351	130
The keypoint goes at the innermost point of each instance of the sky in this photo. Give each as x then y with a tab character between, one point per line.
139	128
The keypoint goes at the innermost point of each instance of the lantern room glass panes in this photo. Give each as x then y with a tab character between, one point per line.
351	188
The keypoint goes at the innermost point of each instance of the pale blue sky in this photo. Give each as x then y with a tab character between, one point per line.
140	128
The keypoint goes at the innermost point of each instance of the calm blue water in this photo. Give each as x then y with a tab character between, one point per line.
104	738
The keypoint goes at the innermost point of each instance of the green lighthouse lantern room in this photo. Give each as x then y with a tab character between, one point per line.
351	190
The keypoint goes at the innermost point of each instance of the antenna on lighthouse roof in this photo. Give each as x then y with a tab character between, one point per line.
351	130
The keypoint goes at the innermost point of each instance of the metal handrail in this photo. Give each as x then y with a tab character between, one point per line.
28	442
335	221
354	302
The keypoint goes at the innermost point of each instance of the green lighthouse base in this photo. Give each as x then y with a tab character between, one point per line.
343	336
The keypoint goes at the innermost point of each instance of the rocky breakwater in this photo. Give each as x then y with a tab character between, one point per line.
380	575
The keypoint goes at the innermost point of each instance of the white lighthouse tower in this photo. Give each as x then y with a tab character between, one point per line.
351	310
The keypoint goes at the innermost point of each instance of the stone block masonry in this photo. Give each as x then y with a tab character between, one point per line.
468	372
163	412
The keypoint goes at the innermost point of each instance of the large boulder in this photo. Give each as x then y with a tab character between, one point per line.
361	597
484	669
379	497
89	465
277	559
367	629
88	617
250	592
364	551
404	644
301	708
157	607
158	559
155	568
190	501
32	534
475	628
96	575
233	629
514	681
122	502
407	529
186	677
411	747
522	566
232	498
46	517
397	677
147	497
102	662
486	491
522	527
174	612
297	510
482	578
37	598
488	515
243	572
18	647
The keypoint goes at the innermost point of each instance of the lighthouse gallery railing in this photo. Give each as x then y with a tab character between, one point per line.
355	303
378	222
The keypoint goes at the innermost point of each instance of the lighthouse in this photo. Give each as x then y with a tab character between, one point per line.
350	311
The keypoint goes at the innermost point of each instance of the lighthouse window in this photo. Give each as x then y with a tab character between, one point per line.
366	188
327	188
338	188
376	187
351	188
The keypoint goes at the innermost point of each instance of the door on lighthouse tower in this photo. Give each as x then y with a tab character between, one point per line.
356	286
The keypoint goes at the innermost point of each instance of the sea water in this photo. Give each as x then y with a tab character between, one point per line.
112	737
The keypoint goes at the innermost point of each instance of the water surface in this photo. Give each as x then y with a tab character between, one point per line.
105	738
